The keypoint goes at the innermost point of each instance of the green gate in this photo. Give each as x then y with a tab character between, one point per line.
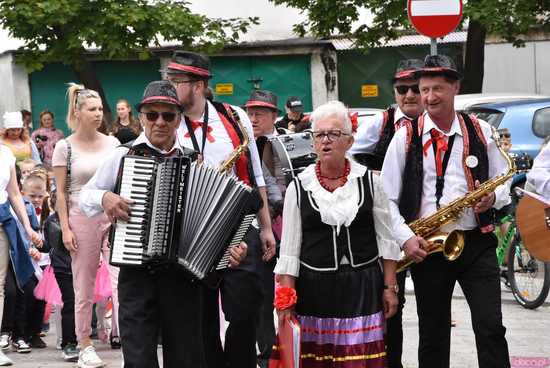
235	77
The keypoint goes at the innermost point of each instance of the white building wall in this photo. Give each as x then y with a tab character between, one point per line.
324	77
512	69
15	91
542	57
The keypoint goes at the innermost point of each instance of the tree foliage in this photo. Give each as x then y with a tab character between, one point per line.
61	30
506	18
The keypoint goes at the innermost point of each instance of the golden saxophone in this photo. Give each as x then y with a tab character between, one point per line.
228	164
452	244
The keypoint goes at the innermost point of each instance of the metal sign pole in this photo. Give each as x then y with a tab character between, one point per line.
433	46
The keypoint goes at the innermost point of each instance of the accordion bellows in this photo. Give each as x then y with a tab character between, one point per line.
183	212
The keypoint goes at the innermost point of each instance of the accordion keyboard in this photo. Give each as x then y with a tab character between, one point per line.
127	247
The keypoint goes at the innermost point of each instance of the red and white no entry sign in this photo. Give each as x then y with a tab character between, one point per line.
435	18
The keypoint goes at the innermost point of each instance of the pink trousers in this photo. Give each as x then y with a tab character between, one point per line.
91	238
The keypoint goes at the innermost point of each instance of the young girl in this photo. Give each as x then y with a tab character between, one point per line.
125	128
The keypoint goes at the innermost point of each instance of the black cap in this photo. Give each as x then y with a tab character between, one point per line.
439	65
262	98
407	68
295	104
189	63
159	92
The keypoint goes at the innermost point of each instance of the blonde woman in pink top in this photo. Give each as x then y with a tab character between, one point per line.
46	137
84	237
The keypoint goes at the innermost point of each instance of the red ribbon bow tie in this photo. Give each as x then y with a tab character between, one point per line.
441	146
198	124
399	123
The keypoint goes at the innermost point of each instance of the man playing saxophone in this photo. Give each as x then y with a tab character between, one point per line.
442	156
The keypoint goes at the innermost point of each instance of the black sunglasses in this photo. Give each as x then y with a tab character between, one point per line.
403	89
505	135
153	116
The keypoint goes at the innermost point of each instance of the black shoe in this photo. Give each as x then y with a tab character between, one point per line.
115	342
70	353
21	346
36	342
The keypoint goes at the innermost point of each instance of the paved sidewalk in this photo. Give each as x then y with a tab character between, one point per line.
528	332
528	335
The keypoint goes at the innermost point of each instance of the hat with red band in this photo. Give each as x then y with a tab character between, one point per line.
162	92
261	98
189	63
439	65
407	68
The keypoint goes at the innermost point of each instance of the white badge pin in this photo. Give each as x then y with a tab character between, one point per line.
471	161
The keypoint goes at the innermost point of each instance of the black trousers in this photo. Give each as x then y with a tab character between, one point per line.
477	272
161	300
65	282
394	327
23	313
241	295
34	309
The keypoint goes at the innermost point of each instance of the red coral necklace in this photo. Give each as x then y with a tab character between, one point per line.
342	179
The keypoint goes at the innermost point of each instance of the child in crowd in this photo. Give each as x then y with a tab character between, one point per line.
26	166
20	283
35	188
61	263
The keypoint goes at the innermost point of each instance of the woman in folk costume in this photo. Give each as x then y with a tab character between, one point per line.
335	229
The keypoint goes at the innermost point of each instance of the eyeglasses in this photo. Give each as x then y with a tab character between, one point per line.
403	89
331	135
153	116
505	135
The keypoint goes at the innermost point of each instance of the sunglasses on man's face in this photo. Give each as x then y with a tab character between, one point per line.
505	135
403	89
153	116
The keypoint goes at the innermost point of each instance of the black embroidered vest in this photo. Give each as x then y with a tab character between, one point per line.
322	248
413	175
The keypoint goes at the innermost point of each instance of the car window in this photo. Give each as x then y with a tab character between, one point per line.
541	122
491	116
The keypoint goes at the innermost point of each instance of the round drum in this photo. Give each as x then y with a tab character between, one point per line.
289	155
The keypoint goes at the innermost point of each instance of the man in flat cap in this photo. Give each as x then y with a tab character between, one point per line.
441	156
294	119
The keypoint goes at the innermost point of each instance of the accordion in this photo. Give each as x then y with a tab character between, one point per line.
182	212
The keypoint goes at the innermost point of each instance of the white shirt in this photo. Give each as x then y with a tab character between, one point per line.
220	148
7	162
539	176
455	180
368	132
105	177
337	208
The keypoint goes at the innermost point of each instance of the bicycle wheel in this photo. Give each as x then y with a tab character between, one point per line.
529	278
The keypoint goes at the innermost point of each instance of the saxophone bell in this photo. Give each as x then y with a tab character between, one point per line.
450	244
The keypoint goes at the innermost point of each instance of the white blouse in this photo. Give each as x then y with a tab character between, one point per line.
336	208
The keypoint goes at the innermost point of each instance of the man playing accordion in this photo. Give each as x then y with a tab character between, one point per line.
152	299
